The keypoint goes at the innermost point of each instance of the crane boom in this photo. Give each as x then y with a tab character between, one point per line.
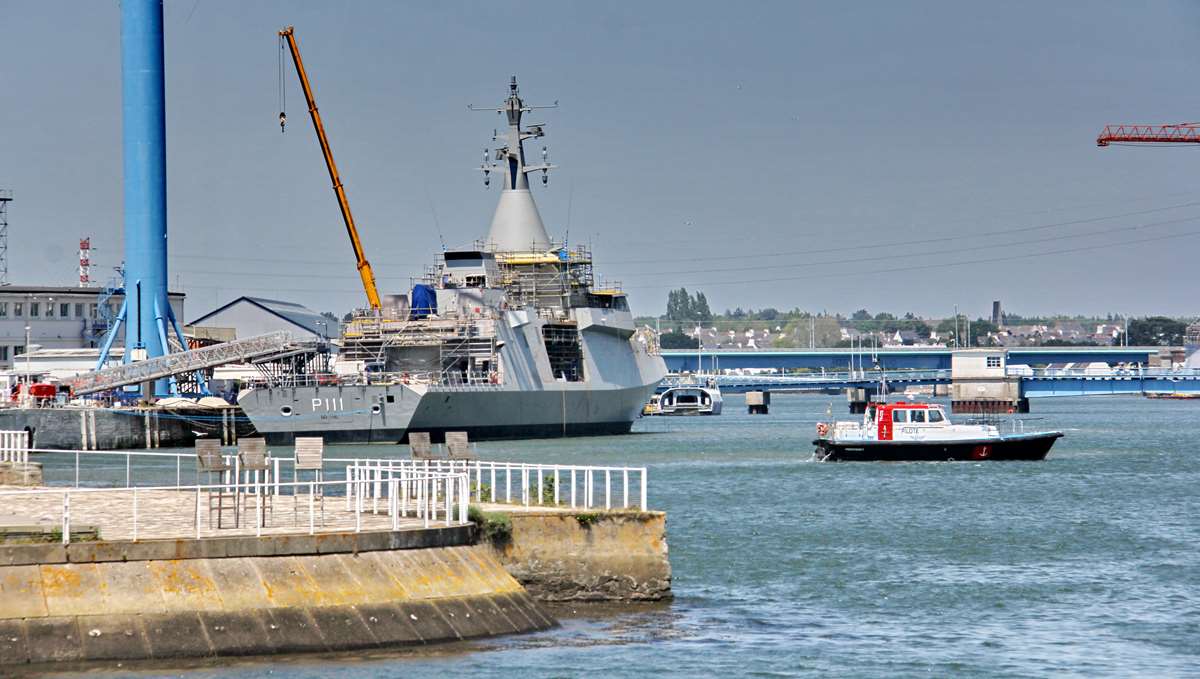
1185	133
364	267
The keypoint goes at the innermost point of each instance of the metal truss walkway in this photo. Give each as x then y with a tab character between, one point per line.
257	347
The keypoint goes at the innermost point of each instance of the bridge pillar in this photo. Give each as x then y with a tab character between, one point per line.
859	397
980	383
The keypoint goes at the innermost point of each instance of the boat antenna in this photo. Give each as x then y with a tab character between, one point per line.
437	224
883	390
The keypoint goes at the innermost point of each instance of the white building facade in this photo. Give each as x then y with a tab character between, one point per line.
59	318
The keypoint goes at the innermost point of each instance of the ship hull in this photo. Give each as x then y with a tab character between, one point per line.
365	415
1027	447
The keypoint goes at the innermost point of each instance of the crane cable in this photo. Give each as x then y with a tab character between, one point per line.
282	90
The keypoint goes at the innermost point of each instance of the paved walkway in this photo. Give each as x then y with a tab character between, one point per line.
172	514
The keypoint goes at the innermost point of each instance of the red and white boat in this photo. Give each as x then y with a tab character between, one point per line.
921	432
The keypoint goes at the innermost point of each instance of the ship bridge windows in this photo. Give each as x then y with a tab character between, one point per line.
916	416
608	301
564	351
899	415
935	415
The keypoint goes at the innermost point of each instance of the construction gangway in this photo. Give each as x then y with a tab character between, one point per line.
272	344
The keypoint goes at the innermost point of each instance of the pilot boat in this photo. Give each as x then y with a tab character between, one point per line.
921	432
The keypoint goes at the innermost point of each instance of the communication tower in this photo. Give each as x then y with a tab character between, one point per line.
5	199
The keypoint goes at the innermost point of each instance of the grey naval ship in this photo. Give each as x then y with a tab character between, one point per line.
509	338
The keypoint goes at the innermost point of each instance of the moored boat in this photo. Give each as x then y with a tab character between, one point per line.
921	432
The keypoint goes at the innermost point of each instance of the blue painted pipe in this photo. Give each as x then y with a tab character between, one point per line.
143	104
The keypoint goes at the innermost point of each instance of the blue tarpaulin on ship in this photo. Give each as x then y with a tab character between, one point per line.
424	302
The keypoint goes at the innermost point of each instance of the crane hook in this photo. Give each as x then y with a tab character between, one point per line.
282	121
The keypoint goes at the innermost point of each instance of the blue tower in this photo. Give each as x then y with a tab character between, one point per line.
146	312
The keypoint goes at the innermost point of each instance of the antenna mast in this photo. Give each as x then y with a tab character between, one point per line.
5	199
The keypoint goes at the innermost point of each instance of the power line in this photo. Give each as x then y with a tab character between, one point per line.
809	263
919	267
959	236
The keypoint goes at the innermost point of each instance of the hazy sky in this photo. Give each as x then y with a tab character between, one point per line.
769	154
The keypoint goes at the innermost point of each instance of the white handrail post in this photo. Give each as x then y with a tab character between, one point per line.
556	495
350	470
508	482
449	500
376	489
572	488
197	512
77	469
540	493
135	515
607	492
427	504
66	519
311	516
492	465
644	489
463	497
478	480
127	466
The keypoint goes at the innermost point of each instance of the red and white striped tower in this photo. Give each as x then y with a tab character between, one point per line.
85	262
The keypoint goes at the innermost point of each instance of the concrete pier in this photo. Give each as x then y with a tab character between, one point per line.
162	599
561	554
123	428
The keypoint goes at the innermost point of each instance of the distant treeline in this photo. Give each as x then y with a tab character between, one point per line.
799	327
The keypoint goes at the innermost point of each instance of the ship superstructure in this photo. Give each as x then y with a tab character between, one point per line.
511	337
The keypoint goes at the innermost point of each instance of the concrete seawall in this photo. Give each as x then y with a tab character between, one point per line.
167	599
605	556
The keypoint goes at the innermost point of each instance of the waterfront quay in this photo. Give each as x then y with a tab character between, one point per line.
125	555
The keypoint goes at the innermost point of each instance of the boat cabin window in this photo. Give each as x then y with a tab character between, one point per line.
936	416
899	416
916	416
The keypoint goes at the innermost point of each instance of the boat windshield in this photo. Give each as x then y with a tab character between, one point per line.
935	415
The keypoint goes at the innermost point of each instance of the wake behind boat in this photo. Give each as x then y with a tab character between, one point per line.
920	432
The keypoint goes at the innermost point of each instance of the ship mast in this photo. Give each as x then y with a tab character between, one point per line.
516	224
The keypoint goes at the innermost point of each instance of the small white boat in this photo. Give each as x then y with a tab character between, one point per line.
686	399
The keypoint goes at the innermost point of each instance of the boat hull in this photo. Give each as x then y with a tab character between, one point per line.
1027	447
379	414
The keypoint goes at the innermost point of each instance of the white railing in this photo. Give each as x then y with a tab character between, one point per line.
1112	373
526	484
178	511
14	446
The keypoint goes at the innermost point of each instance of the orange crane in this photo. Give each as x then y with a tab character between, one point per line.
364	267
1185	133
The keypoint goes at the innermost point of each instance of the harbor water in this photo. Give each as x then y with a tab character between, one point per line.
1087	564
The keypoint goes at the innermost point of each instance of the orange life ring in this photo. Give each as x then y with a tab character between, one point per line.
822	429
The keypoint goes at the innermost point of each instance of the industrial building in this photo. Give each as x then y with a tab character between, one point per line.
250	316
58	317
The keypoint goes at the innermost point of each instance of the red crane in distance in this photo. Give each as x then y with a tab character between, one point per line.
1184	133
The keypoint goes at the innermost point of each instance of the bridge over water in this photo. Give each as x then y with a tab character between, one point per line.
891	358
1034	384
